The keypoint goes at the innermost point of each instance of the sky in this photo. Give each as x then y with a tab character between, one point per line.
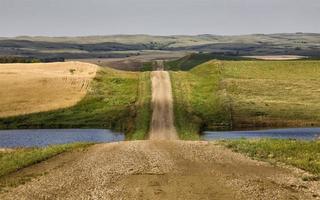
157	17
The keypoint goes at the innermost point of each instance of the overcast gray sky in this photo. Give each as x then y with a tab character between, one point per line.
157	17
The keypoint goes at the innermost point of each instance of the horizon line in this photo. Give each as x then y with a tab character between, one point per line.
156	35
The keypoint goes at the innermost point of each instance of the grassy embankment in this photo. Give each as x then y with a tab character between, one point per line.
117	100
246	94
13	160
143	108
302	154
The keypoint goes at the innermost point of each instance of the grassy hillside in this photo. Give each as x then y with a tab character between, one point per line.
242	94
113	103
143	108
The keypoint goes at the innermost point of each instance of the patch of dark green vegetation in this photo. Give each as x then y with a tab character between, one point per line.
111	103
312	58
12	59
302	154
147	66
13	160
190	61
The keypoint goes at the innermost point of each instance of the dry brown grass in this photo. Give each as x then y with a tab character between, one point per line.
29	88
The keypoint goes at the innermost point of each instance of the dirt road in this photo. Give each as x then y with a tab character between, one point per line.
161	170
162	124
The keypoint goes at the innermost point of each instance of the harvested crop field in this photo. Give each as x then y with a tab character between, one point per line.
29	88
277	57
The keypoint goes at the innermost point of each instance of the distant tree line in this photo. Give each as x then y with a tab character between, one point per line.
12	59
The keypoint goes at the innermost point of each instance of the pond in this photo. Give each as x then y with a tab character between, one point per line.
288	133
45	137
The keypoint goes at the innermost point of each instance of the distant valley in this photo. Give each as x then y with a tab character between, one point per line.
120	46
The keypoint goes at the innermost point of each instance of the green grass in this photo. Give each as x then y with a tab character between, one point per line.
302	154
186	121
14	160
111	103
248	94
143	105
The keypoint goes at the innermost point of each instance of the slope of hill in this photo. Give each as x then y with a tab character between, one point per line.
247	94
116	100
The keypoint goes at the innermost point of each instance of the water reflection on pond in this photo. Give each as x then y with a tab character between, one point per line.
289	133
45	137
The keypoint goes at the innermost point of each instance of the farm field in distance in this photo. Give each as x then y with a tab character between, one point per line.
247	94
139	61
277	57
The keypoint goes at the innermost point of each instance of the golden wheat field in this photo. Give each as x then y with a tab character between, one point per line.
36	87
